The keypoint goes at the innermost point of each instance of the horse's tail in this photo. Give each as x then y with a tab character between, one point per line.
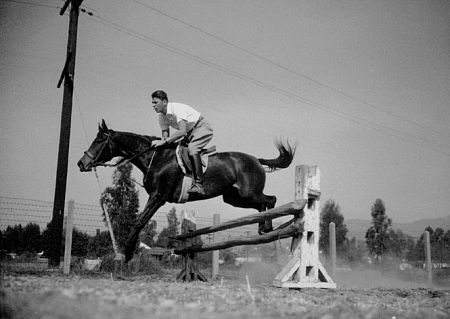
287	152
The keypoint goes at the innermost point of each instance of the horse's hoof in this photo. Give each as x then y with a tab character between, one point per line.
128	258
128	255
263	230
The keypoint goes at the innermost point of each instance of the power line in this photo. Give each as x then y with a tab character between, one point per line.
261	84
78	104
285	68
266	86
33	4
81	117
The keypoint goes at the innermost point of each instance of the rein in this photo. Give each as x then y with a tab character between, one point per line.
127	160
124	160
149	165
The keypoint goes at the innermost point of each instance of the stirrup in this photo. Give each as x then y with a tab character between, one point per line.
197	189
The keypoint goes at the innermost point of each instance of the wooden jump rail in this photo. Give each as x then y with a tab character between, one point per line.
293	208
280	233
304	269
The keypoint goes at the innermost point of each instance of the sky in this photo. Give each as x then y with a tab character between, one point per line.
362	88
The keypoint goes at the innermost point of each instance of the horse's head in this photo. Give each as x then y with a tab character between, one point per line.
101	150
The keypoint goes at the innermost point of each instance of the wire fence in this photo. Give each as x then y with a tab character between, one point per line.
89	218
15	211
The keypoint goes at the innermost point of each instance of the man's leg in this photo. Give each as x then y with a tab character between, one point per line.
197	171
200	136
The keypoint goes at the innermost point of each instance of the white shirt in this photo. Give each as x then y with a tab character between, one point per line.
177	112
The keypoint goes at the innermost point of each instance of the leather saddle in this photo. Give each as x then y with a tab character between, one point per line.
185	163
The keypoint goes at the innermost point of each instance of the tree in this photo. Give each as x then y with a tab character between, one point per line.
100	245
418	254
32	239
13	239
148	233
378	234
446	242
439	241
80	243
355	251
331	212
47	237
437	244
121	202
165	238
399	244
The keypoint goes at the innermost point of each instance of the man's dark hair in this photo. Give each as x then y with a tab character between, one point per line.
160	94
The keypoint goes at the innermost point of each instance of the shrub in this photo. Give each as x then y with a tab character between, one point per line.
142	263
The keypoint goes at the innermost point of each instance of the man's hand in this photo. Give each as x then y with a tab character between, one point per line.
158	143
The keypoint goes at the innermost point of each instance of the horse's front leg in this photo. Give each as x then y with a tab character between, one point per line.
153	204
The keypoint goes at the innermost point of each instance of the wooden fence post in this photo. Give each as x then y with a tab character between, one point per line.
332	247
215	253
68	240
189	269
429	266
305	269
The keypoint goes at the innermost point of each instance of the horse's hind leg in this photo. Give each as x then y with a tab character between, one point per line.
259	202
268	203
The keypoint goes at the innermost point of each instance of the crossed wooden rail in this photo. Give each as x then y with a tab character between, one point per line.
286	230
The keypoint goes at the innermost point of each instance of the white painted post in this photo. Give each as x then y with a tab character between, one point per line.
68	240
305	269
215	253
428	258
332	244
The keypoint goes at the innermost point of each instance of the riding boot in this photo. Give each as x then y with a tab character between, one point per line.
197	172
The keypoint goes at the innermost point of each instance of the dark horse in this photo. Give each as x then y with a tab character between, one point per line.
238	177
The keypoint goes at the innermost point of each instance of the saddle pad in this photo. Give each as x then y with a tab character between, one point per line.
185	163
184	195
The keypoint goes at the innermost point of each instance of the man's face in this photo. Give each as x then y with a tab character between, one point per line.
159	105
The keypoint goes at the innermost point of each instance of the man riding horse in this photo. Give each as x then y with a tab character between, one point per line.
189	124
238	177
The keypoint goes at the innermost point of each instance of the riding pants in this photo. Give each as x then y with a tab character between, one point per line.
199	136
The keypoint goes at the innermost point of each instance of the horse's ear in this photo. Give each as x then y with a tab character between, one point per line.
104	127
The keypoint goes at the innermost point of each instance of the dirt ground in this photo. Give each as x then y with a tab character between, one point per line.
53	295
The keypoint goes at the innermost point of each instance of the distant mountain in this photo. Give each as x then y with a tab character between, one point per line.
358	227
416	228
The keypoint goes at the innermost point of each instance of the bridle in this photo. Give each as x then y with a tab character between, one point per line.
94	159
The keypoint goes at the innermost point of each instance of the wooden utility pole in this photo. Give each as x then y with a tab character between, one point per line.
64	138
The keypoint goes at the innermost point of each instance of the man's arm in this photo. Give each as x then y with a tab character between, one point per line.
179	133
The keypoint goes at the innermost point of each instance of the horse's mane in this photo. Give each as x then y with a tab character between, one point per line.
146	139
